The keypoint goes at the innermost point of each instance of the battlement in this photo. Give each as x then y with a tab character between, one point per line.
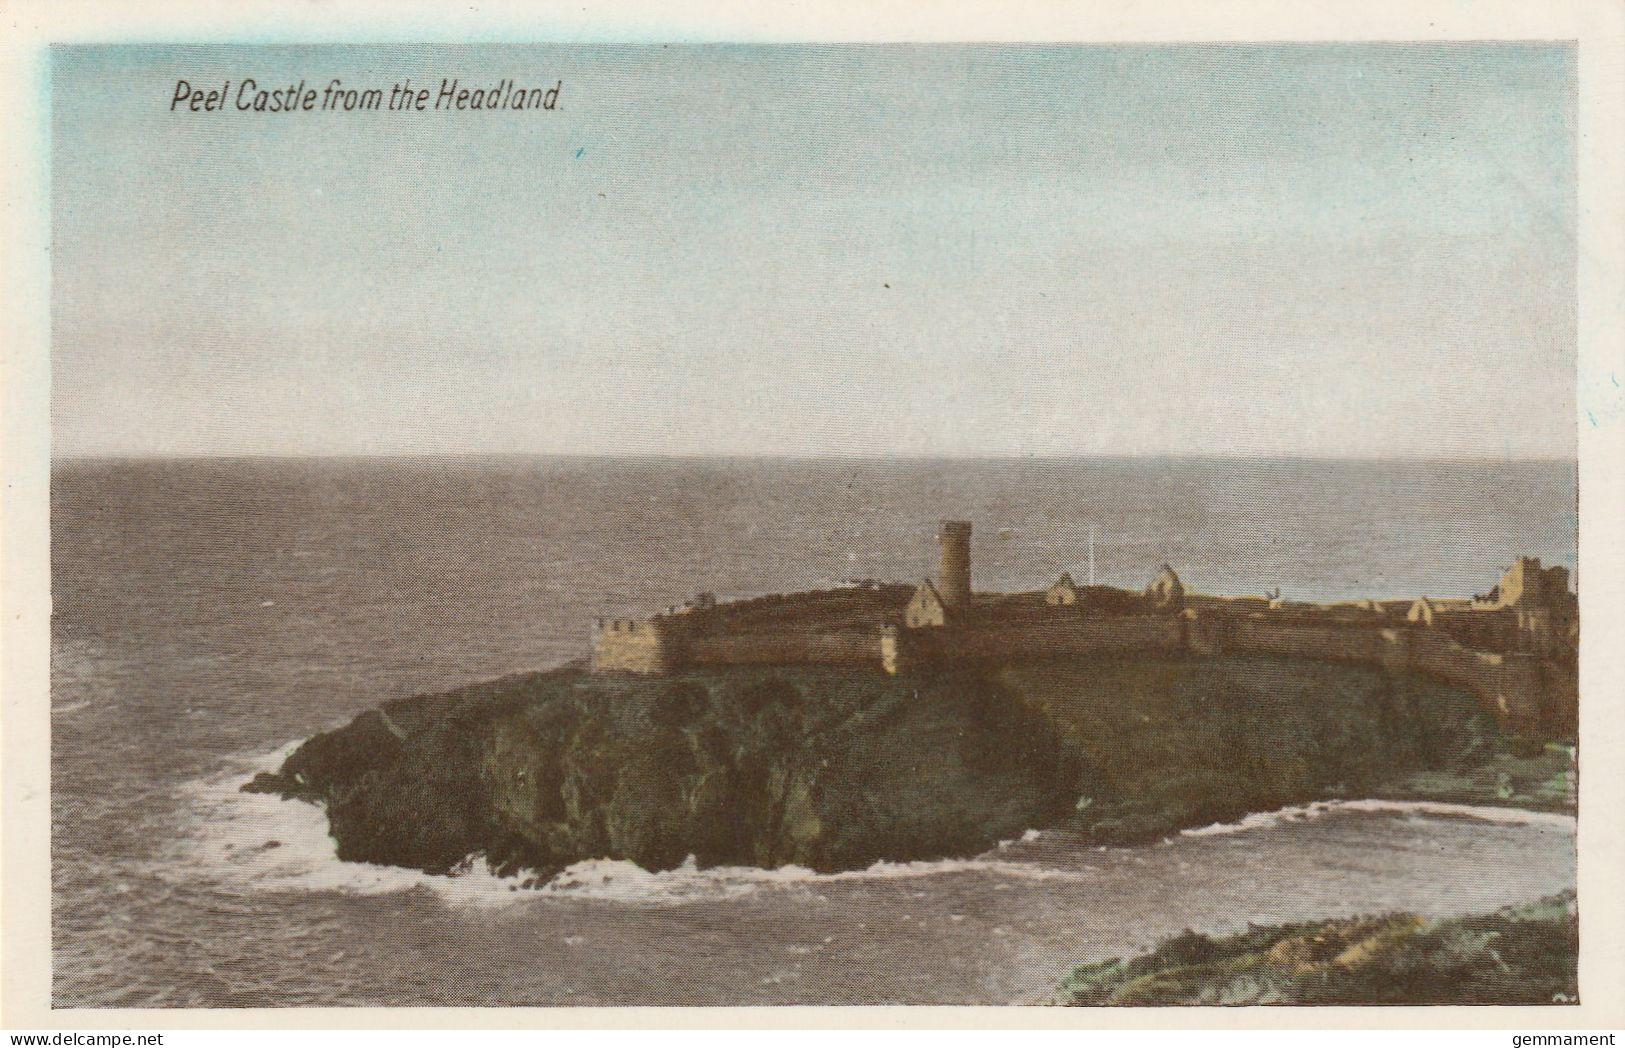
631	646
1513	647
1526	584
625	625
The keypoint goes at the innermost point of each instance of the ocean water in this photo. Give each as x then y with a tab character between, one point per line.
208	614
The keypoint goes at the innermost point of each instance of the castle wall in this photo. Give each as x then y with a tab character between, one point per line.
855	646
1527	693
1485	630
630	646
1516	686
1560	689
1061	635
1514	652
1226	634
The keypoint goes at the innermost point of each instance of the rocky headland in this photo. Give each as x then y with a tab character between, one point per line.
836	768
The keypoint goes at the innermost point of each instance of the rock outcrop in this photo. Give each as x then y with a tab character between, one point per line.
834	768
735	768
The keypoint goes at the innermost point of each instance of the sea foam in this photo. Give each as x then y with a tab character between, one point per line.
256	842
260	842
1435	809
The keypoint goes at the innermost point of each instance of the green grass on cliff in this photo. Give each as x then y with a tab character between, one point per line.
1519	955
1185	741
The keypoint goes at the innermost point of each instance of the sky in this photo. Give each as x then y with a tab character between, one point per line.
1308	250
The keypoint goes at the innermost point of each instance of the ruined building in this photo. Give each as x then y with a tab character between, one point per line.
954	538
1515	647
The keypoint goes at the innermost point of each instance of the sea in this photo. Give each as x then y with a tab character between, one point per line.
208	614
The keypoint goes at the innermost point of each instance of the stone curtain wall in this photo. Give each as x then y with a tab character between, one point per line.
1530	694
647	646
904	650
1068	635
859	646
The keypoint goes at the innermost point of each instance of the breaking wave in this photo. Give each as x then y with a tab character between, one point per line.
260	842
1435	809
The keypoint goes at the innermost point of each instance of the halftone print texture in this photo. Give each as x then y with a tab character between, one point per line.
814	524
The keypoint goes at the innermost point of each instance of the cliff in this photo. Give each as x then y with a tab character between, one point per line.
836	768
833	769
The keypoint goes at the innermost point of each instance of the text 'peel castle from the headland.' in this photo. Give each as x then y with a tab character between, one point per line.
1514	647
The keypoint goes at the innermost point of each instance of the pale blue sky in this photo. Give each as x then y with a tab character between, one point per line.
1316	250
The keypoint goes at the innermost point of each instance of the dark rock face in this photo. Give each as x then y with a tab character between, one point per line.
1518	955
734	767
837	768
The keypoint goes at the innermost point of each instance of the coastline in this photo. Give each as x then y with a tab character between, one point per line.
787	767
1518	955
1056	867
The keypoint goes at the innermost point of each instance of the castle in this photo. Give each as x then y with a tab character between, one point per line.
1515	647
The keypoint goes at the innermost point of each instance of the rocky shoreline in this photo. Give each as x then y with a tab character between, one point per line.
1518	955
836	769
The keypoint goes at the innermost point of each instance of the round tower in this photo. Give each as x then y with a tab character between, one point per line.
953	582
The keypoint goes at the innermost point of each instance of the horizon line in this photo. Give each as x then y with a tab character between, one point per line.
776	457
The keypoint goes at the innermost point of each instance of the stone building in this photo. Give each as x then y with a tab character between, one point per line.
1062	592
1166	592
953	585
926	607
1513	647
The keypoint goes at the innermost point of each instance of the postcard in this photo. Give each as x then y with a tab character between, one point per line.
1077	526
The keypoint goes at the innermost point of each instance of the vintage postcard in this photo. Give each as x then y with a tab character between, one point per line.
711	519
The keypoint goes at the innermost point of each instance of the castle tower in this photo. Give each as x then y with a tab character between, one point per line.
953	582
